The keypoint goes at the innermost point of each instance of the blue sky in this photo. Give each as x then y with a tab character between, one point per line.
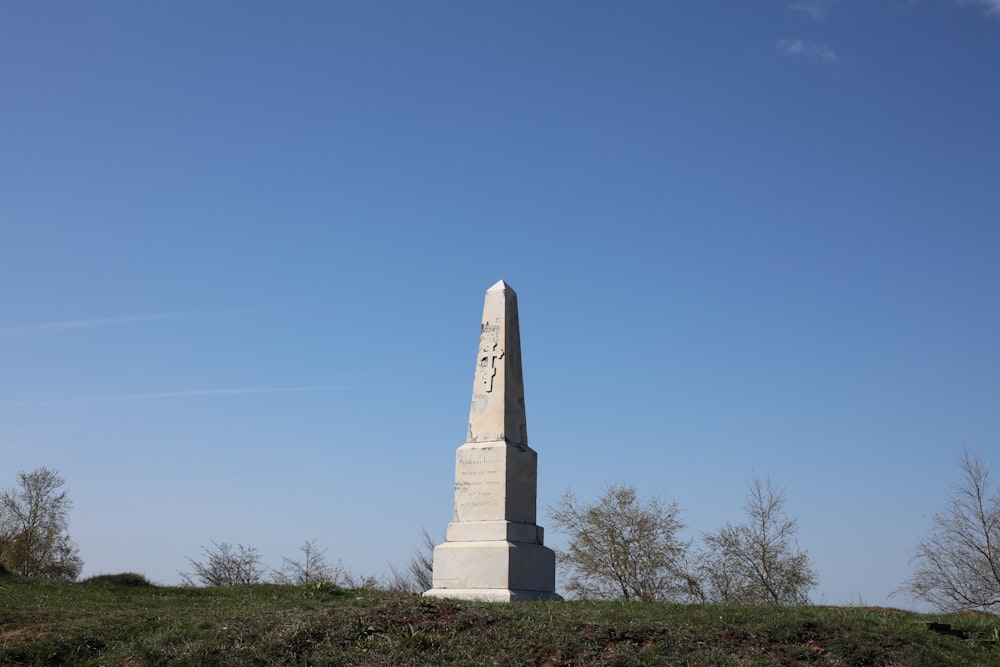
244	247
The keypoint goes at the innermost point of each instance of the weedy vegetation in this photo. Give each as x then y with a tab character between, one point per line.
123	619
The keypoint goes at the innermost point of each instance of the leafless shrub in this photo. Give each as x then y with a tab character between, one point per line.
358	582
419	573
225	565
758	561
622	547
312	568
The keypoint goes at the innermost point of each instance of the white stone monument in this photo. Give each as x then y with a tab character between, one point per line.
493	549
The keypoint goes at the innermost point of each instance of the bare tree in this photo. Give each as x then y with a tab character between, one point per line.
757	561
225	565
419	573
34	519
312	568
622	547
958	562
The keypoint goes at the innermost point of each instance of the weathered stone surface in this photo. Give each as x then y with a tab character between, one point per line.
493	549
497	411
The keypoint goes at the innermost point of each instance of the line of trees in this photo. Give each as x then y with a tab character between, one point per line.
621	546
624	547
226	564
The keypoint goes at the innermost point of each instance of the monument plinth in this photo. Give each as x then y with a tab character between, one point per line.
493	549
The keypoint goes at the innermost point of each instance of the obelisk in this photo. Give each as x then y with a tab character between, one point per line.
493	549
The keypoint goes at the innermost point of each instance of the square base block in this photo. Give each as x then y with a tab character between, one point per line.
494	566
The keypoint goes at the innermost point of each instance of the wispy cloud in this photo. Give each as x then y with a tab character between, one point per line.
814	9
189	393
805	49
93	323
992	6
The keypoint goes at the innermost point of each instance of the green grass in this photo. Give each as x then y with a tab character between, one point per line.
123	620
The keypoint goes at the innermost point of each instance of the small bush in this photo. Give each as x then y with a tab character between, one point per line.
124	579
322	589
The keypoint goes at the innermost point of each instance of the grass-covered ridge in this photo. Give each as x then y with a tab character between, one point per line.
122	620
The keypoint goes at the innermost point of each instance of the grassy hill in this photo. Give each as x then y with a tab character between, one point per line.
122	620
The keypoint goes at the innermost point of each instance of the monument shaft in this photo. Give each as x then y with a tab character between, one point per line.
497	411
494	549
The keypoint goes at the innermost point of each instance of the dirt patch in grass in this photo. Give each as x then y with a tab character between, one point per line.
15	637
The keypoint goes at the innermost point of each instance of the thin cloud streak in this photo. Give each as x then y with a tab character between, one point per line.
814	50
817	10
190	393
94	323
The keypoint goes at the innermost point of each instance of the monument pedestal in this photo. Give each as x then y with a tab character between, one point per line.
494	549
498	570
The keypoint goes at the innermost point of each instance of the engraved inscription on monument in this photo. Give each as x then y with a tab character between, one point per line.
479	484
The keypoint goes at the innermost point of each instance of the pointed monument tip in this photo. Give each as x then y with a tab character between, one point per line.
500	285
